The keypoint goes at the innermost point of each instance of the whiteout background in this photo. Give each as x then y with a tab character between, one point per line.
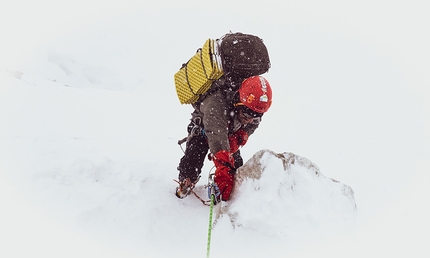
350	85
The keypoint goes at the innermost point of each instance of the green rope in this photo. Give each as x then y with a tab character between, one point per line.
210	227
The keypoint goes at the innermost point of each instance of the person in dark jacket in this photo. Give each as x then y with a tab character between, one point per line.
222	121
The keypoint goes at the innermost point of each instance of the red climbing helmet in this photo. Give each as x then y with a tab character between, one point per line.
256	94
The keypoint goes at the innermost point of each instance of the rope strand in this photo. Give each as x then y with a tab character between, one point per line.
208	250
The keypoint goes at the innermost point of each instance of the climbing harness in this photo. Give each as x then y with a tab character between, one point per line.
194	129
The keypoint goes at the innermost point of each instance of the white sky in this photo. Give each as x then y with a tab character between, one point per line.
397	28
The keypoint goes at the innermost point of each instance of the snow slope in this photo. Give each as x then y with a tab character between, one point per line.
85	164
90	122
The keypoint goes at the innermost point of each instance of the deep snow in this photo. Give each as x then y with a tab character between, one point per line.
85	164
90	122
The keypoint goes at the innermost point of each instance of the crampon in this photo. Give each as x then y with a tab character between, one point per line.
185	188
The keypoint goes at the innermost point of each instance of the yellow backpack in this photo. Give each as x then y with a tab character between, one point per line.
196	76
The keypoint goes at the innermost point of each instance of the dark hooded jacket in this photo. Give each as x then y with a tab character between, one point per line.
216	110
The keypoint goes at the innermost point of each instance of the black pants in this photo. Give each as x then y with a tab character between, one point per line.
191	164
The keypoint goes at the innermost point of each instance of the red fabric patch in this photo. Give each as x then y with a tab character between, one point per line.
223	178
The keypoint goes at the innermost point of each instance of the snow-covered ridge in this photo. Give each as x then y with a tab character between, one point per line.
277	192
